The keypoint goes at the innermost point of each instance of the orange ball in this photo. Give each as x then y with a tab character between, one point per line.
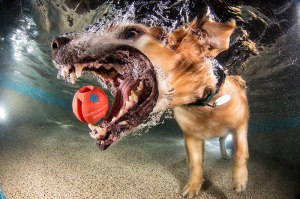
90	104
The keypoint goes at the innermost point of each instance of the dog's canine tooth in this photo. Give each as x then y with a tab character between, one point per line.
97	65
123	123
92	127
120	80
101	131
139	88
78	70
133	96
62	72
121	113
128	105
141	85
67	68
93	135
106	66
114	119
72	78
118	68
97	131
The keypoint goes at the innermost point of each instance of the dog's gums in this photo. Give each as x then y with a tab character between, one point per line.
129	75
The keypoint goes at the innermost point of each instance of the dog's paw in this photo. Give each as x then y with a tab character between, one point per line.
226	156
239	187
240	179
191	189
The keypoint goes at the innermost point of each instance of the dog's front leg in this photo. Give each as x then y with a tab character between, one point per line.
195	151
240	171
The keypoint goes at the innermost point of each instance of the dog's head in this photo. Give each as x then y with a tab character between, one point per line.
125	57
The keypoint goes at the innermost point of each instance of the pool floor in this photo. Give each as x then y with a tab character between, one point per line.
62	161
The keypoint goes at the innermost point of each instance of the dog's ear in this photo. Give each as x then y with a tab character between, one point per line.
156	32
215	34
204	37
174	38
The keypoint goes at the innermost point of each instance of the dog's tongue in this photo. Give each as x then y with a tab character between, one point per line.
109	130
122	95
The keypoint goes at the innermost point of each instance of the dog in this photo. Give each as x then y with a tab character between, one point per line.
206	103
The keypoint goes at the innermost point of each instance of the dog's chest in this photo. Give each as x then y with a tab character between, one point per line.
202	122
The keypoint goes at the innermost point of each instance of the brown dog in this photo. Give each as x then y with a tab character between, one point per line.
126	57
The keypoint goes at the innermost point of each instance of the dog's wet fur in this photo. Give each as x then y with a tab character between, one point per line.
185	58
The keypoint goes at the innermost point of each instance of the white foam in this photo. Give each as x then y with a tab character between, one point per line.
166	91
127	14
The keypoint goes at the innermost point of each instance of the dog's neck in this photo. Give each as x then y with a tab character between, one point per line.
192	80
188	73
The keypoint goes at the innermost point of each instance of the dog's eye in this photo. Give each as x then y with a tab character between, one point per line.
131	33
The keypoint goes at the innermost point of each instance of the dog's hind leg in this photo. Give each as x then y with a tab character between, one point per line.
224	153
195	151
241	155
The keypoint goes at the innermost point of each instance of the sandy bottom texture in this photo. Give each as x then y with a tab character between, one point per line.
61	161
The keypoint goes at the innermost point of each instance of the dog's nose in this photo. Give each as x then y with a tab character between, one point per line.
58	43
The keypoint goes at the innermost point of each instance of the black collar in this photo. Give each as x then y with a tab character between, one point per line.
221	76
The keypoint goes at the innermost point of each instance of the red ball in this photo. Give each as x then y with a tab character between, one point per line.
90	104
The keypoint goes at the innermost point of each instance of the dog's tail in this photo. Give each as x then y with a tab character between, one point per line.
238	80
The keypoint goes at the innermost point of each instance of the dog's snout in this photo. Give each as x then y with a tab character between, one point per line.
58	42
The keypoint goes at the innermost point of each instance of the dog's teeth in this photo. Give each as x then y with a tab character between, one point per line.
123	123
62	72
140	86
107	66
121	113
97	131
78	70
120	80
101	131
93	134
133	96
92	127
67	68
72	78
115	138
114	119
118	68
97	65
128	105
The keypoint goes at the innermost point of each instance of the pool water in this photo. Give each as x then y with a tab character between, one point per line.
45	152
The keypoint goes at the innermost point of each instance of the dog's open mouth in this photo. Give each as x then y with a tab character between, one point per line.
129	75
